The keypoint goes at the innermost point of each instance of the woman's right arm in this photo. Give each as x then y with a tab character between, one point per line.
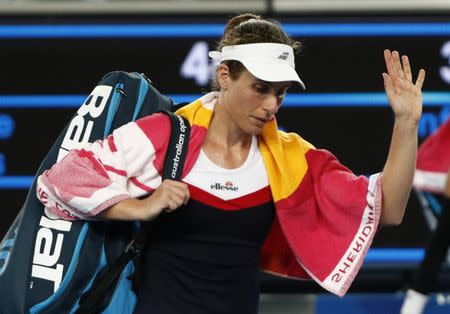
125	165
167	197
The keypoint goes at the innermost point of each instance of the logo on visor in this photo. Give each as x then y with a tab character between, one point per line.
284	56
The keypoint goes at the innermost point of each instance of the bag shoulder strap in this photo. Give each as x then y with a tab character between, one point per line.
173	167
177	148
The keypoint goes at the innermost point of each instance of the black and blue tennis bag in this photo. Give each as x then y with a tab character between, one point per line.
49	266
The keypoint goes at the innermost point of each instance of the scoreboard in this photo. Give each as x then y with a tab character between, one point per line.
48	67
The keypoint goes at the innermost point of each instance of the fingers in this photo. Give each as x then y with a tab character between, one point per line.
173	203
169	196
397	64
388	86
396	67
401	69
392	72
175	193
175	200
420	79
180	190
407	68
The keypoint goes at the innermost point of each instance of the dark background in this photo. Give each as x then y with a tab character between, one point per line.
358	136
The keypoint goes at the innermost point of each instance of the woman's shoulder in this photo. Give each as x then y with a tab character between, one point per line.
157	124
154	122
291	138
155	127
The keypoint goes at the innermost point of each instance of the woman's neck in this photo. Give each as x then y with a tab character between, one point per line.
226	144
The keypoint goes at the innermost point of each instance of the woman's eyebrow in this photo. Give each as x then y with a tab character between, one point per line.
272	83
257	80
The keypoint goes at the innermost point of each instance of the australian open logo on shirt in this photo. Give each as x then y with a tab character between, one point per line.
228	186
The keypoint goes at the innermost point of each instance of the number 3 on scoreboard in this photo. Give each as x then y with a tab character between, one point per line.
196	65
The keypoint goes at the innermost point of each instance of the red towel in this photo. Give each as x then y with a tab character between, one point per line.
433	161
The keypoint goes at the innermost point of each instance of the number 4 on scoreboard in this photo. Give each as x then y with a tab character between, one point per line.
196	65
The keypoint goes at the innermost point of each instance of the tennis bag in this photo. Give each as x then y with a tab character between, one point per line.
47	266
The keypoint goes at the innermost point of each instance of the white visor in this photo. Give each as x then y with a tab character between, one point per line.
269	62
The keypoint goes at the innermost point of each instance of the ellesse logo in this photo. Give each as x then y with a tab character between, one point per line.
228	186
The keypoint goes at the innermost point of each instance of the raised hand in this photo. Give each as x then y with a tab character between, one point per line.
405	96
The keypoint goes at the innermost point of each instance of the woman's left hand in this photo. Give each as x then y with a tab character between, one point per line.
405	96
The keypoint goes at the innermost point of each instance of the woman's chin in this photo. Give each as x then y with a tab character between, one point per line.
254	130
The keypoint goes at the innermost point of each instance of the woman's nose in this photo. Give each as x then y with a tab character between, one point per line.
272	104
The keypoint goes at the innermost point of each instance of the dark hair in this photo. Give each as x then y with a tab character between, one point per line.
250	29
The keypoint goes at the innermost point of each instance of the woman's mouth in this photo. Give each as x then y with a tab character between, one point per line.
260	121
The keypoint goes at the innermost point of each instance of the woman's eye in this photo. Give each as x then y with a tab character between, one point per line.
261	89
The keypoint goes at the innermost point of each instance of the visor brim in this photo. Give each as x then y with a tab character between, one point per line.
273	72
